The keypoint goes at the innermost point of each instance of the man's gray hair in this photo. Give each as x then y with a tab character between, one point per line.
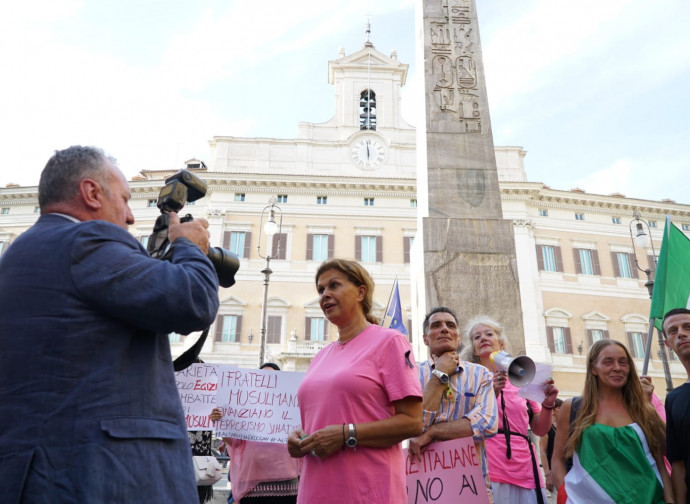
66	168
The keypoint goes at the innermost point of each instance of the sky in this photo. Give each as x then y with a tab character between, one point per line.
596	91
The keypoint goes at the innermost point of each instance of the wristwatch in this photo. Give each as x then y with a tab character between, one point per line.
442	377
351	441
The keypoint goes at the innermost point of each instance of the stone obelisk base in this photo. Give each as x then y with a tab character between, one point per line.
470	267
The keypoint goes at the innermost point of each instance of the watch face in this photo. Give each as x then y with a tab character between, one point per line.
368	152
442	377
351	442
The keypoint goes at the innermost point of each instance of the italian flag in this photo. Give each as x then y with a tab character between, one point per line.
612	465
672	277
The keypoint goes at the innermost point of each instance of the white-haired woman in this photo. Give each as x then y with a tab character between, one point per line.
513	468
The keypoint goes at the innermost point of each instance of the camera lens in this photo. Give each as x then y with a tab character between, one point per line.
226	264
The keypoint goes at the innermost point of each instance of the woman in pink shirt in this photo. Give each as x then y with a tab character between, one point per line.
359	399
513	468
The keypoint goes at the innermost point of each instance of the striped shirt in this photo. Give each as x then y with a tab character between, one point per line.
473	399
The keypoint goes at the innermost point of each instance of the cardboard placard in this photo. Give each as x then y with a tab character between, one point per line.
449	472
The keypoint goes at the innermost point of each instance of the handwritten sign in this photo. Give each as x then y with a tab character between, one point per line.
198	386
449	472
257	405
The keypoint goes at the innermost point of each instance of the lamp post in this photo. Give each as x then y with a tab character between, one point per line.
270	228
644	240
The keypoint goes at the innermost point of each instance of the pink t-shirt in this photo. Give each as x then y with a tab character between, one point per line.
357	383
518	470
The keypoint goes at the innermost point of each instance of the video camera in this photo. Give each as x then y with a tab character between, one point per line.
180	188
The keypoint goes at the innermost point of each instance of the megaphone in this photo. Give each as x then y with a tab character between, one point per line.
520	370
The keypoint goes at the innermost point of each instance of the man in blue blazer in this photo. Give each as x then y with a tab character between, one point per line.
89	410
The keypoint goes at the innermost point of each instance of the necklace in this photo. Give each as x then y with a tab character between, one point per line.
343	343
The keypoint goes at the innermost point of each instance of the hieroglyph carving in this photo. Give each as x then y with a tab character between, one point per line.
453	64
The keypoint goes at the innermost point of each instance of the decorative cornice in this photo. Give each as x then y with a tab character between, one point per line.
540	195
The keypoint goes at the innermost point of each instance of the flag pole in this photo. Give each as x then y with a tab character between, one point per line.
648	347
388	305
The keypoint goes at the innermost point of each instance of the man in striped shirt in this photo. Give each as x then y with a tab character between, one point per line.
458	396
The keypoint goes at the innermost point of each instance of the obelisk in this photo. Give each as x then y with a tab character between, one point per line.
469	250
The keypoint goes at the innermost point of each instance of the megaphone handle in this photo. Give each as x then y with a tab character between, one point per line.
506	427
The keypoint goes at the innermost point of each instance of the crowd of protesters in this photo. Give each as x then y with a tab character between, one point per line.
91	412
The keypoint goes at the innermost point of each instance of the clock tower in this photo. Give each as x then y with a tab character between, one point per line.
367	125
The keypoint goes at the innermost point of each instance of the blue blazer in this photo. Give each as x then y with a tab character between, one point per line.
89	409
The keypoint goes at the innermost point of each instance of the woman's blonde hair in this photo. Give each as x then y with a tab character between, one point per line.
636	403
468	354
356	274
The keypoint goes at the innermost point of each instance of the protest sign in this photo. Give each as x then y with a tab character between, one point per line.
449	472
198	386
257	405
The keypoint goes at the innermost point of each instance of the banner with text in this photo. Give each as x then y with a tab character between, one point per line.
257	405
449	472
198	386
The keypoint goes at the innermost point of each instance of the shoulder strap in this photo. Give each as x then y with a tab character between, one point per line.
574	409
190	355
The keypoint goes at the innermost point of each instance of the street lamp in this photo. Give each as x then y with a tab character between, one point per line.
270	228
643	239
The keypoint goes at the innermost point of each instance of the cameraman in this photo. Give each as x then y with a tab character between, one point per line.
90	409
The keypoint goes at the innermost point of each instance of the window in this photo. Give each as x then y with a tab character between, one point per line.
174	337
2	246
278	249
413	203
559	340
586	261
549	258
579	216
273	329
320	247
228	328
616	220
321	200
5	211
316	329
368	248
367	110
594	335
543	212
408	242
282	198
239	196
652	223
37	209
145	241
636	341
151	203
685	227
368	201
237	242
190	203
622	265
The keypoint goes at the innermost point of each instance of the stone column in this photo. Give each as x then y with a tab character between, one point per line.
469	252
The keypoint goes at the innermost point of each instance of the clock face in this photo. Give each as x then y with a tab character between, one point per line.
368	152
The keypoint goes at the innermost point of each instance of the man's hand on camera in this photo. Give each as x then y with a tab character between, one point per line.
195	231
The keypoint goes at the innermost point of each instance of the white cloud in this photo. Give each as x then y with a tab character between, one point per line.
615	178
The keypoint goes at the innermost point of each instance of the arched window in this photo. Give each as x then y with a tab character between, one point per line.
367	110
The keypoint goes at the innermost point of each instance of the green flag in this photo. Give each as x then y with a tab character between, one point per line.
672	279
